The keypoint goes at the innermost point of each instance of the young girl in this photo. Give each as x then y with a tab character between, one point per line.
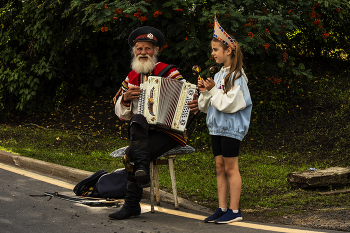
228	105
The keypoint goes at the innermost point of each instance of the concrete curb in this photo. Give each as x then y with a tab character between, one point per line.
73	176
70	175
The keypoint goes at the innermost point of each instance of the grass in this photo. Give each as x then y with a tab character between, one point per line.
314	134
264	174
61	147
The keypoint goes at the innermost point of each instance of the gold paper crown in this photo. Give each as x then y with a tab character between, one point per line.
221	35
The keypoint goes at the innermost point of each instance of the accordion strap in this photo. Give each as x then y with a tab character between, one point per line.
165	70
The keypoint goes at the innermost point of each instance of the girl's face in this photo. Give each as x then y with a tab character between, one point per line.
219	54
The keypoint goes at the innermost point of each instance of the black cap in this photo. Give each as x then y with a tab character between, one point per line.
146	33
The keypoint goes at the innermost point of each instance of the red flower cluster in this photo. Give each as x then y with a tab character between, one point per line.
163	47
210	25
312	14
338	9
285	56
318	16
157	13
106	7
251	22
325	35
267	30
266	45
179	9
118	11
104	29
250	34
274	80
138	15
316	6
290	11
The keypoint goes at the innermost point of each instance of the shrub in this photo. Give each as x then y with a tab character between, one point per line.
51	51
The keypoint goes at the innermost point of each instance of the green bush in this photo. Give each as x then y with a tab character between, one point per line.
52	51
48	56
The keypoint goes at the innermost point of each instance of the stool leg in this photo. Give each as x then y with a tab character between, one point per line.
151	189
156	182
173	181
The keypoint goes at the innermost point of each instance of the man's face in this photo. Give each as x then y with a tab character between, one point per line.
145	57
144	48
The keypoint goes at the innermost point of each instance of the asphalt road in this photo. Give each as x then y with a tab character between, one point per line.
22	212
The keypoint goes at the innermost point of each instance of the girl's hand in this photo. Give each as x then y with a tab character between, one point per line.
209	84
200	85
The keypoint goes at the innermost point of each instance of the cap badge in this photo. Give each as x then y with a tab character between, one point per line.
150	36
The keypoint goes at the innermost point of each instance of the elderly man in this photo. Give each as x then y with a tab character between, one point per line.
146	143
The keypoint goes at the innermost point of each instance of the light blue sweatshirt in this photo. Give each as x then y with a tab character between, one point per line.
228	114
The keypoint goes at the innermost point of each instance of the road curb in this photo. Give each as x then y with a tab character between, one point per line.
73	176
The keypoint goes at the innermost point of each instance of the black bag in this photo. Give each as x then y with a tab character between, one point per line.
103	184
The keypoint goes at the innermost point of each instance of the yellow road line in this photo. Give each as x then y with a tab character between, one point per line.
37	176
147	208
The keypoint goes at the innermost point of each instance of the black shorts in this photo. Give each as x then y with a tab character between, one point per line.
225	146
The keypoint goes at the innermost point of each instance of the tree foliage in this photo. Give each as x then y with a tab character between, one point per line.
52	51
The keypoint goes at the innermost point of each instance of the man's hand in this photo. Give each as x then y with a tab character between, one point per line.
132	93
193	105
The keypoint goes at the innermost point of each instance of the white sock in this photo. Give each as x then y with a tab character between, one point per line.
235	211
223	209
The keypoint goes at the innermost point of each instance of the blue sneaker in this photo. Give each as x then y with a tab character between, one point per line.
216	215
229	216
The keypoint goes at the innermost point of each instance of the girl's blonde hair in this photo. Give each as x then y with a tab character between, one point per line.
236	65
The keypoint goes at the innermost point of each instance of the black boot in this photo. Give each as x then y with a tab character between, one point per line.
141	157
131	205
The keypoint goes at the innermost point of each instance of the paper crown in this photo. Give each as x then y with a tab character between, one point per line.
221	35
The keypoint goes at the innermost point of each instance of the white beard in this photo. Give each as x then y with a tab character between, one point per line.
144	67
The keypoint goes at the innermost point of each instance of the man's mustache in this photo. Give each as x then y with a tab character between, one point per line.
143	56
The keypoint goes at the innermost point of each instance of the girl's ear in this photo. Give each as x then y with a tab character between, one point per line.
228	51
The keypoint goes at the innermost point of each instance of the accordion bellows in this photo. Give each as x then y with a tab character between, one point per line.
163	102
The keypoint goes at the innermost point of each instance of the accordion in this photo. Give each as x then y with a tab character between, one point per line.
163	102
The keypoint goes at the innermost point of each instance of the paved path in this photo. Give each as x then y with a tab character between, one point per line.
21	213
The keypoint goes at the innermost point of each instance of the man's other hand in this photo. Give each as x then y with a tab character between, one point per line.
132	93
193	105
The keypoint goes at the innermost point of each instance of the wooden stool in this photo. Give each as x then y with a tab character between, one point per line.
169	160
155	179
